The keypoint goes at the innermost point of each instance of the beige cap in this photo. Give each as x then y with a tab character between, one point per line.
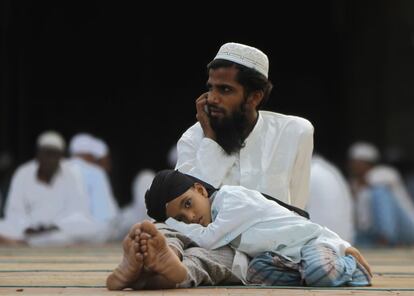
245	55
363	151
51	139
88	144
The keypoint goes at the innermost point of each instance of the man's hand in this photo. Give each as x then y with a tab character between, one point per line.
358	256
40	229
202	117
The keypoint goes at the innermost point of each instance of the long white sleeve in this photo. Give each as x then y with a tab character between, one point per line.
202	157
236	209
299	185
15	216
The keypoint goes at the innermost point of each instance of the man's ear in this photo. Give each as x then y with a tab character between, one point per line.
201	189
255	99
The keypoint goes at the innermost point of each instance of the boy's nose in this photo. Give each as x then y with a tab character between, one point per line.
190	217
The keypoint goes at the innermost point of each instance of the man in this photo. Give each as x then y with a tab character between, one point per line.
234	143
46	205
384	210
330	200
102	204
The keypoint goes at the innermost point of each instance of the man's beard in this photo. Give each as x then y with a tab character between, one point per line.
230	131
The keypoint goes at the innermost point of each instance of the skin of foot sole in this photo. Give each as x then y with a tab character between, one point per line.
158	256
129	270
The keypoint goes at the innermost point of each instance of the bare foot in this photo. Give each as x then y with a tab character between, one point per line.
158	256
129	270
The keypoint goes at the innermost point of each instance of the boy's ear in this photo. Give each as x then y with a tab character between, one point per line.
201	189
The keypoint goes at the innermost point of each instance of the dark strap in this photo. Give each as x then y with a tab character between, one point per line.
297	210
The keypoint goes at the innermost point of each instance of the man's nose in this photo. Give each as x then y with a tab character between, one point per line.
213	97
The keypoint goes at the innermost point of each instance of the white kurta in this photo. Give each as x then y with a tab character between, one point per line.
253	224
330	201
32	203
275	160
102	204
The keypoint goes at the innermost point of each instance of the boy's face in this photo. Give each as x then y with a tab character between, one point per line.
193	206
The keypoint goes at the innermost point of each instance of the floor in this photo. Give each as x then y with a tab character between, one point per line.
82	270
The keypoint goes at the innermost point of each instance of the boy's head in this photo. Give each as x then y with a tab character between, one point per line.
180	196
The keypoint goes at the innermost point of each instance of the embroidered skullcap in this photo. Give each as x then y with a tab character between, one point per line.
81	144
245	55
51	139
363	151
167	186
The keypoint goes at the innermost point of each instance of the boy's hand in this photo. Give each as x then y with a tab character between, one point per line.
358	256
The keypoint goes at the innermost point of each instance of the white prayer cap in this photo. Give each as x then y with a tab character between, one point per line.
51	139
363	151
245	55
81	143
99	148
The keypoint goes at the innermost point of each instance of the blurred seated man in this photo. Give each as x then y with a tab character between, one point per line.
102	204
46	205
330	201
383	208
136	211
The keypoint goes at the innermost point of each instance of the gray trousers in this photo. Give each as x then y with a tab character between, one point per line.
205	267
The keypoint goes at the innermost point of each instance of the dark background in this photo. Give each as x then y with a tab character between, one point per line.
130	73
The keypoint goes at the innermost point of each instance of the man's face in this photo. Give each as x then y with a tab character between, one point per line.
193	206
49	159
226	103
358	168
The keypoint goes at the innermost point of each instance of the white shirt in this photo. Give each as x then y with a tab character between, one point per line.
32	203
275	160
330	200
102	204
262	225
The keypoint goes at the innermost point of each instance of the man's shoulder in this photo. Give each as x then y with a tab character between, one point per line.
194	130
26	168
279	117
300	124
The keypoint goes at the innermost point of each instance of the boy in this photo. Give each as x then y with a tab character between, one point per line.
287	249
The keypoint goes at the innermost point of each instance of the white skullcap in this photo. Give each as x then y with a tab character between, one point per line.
100	148
81	143
363	151
51	139
88	144
248	56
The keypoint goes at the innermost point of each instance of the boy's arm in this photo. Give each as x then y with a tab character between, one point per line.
237	210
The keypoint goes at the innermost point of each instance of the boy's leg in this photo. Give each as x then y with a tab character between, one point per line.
205	267
209	267
321	267
158	256
270	269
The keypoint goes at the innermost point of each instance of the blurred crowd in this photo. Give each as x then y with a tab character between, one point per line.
64	196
